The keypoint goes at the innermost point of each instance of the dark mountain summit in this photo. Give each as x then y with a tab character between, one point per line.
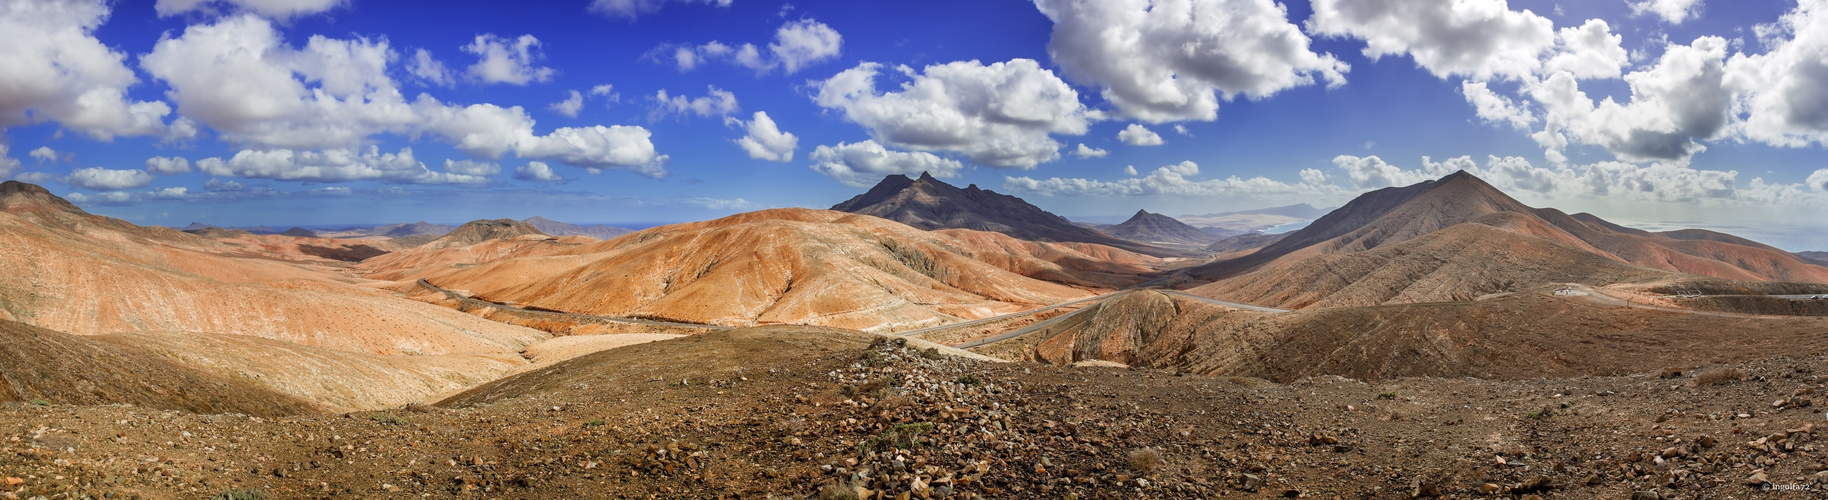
478	231
1157	228
930	204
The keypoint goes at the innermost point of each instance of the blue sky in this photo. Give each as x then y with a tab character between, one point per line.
318	112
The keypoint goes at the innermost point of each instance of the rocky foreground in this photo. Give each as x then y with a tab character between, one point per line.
800	413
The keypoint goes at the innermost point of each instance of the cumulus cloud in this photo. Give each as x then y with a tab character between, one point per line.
167	165
43	154
1001	114
1588	51
1371	172
334	165
500	60
1494	108
1673	104
537	171
277	9
797	44
1129	170
8	164
570	106
630	9
1818	181
102	179
865	163
1170	180
1784	92
55	70
1672	11
1084	151
240	78
1138	135
1479	39
472	168
1613	181
763	140
716	102
429	70
1173	60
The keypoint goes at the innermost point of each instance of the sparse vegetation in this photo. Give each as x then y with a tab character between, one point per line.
1719	377
839	490
240	494
971	380
41	402
931	353
596	423
388	419
1146	460
903	436
1540	413
1386	395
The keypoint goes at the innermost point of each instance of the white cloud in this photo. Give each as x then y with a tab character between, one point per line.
570	106
1818	181
1672	11
102	179
1138	135
1610	181
1171	180
1084	151
1673	104
1588	51
1784	92
538	172
1371	172
8	164
472	168
167	165
1182	130
607	92
218	185
999	115
1163	61
429	70
797	44
865	163
334	165
241	79
43	154
804	42
507	61
55	70
32	177
1494	108
1129	170
1313	176
277	9
716	102
763	140
632	8
1480	39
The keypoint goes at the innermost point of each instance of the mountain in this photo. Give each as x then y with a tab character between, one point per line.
1247	241
1087	265
299	232
794	266
557	228
930	204
1820	258
1160	229
478	231
1457	237
1228	224
411	229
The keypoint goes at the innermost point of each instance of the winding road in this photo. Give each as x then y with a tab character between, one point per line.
611	319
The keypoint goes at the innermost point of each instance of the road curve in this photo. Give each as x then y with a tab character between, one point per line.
1218	302
976	322
1039	325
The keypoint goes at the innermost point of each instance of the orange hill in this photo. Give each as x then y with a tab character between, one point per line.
792	266
1457	238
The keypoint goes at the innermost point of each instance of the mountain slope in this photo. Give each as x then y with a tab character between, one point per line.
1517	246
930	204
557	228
793	266
1160	229
55	367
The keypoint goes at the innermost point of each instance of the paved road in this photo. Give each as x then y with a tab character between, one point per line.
1037	326
1218	302
1017	314
454	295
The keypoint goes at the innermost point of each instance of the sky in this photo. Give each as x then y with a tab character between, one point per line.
1660	113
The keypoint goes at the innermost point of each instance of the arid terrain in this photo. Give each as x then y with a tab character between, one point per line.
1437	340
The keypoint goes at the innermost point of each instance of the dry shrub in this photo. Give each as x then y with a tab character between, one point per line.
1146	460
1719	377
